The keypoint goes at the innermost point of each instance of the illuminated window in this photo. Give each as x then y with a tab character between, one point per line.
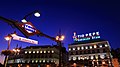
52	51
36	61
39	60
78	58
103	62
51	60
73	48
102	56
29	52
25	52
93	33
95	46
100	46
82	48
48	51
47	60
69	58
69	49
78	48
97	33
40	51
82	35
37	51
44	51
86	47
90	34
90	47
43	60
32	61
86	34
33	51
74	58
106	45
91	57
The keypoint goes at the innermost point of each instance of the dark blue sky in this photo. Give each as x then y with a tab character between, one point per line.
68	15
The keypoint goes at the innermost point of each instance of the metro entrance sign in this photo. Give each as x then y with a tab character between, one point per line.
28	28
24	39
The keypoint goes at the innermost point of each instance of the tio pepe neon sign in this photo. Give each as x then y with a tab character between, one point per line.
84	37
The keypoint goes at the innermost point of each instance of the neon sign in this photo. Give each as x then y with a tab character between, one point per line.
84	37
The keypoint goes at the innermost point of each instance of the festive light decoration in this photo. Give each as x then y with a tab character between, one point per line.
84	37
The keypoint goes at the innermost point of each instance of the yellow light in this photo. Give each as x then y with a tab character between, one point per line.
48	65
7	38
18	50
14	50
95	46
57	37
62	37
103	62
27	66
74	64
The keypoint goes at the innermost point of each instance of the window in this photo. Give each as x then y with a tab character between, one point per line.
29	52
44	51
48	51
33	51
52	51
78	48
82	47
69	49
103	45
90	47
37	51
78	58
73	48
95	46
86	47
40	51
106	45
74	58
100	46
25	52
104	50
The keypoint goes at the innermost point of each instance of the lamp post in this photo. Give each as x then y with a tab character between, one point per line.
8	38
36	14
7	52
60	38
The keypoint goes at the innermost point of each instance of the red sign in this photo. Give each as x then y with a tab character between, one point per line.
28	28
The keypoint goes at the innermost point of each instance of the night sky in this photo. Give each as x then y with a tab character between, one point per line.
70	16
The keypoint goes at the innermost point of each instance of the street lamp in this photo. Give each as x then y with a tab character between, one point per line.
60	38
36	14
16	50
8	52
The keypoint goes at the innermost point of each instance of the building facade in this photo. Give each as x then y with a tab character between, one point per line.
90	52
37	56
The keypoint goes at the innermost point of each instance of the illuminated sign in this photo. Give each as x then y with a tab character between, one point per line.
24	39
84	37
28	28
